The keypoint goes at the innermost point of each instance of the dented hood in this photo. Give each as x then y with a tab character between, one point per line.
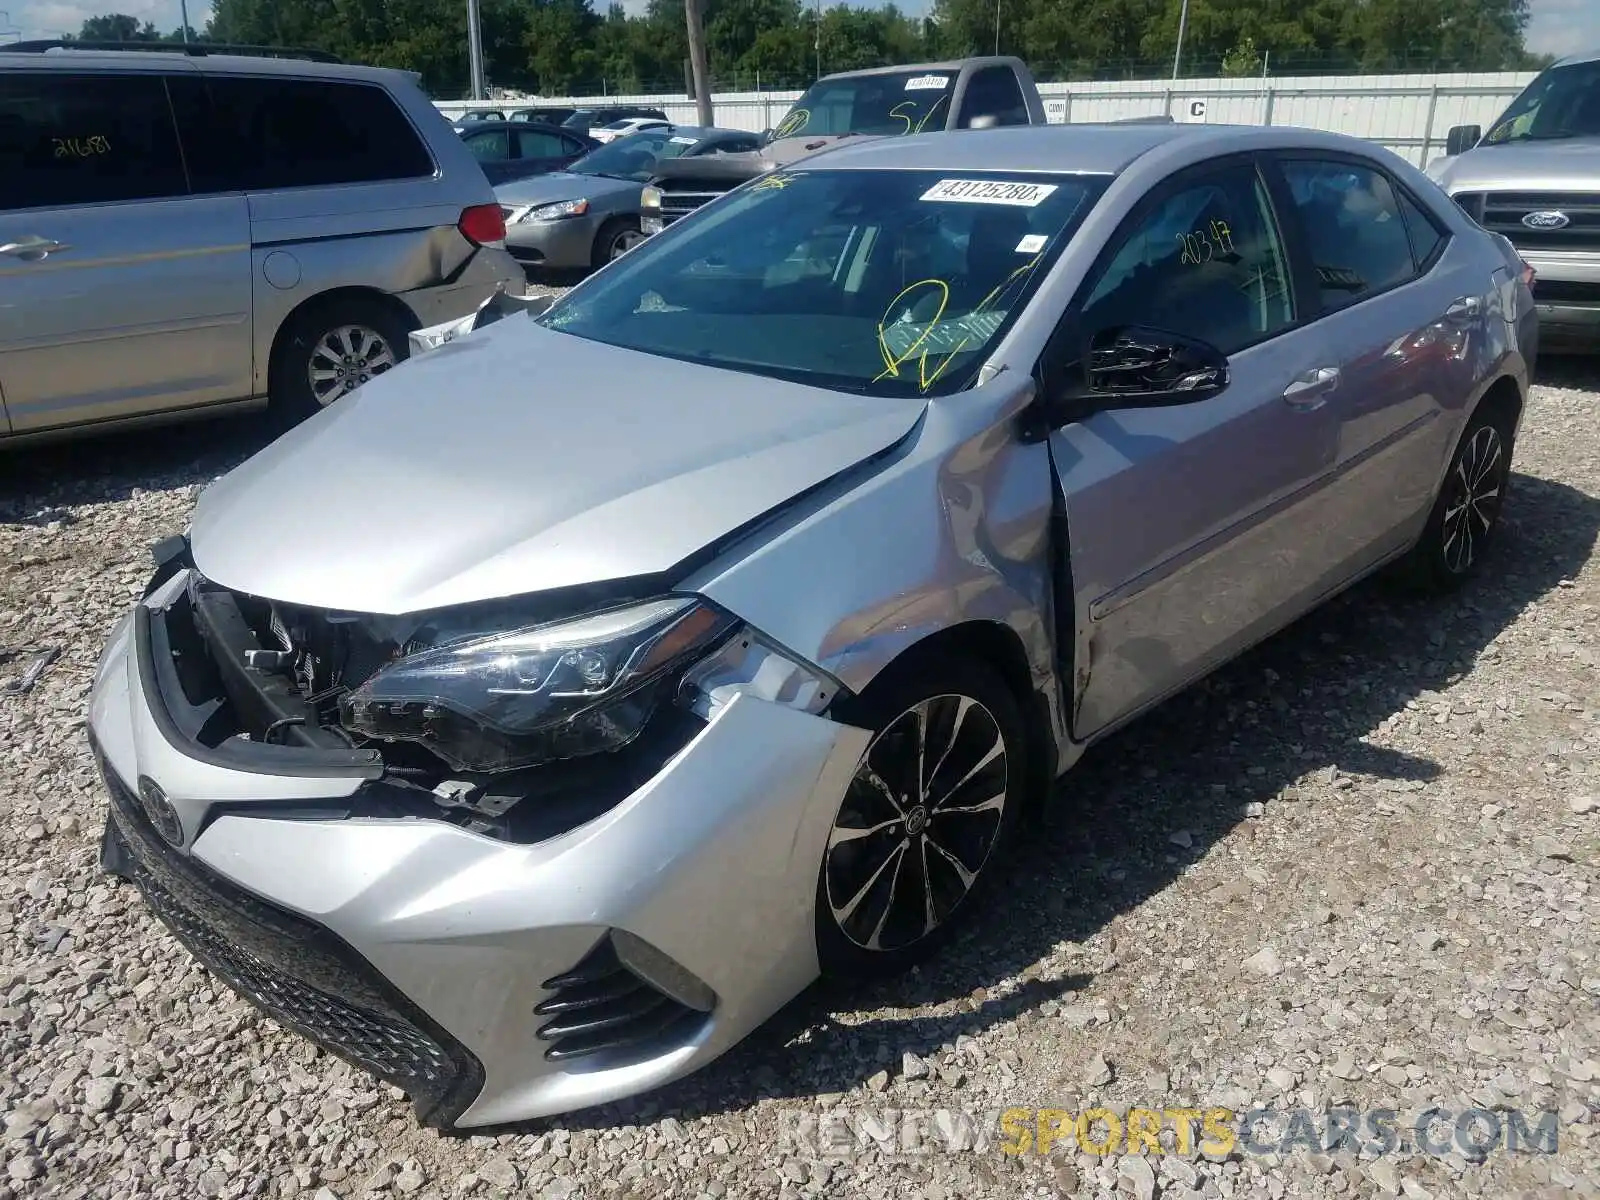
520	459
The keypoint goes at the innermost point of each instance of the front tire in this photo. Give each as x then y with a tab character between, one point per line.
931	809
616	237
1466	512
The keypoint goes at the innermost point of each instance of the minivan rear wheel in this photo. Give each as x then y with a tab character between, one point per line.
330	350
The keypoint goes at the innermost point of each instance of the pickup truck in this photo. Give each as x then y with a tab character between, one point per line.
1535	178
969	93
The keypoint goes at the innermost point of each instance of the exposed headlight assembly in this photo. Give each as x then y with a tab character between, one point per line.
555	691
495	308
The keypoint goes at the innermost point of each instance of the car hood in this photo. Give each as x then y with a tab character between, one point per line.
1565	165
561	185
519	459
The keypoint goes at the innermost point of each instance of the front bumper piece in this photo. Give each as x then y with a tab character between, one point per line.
492	981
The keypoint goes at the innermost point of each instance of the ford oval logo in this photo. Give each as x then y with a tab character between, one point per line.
1547	220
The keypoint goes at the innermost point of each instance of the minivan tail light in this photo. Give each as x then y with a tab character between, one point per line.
483	225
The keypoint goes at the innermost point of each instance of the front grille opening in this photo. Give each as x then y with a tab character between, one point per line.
606	1014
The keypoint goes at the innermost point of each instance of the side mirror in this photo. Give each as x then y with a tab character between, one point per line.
766	137
1462	138
1135	367
1125	367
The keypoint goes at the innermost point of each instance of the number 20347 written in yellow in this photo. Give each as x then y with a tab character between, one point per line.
1203	245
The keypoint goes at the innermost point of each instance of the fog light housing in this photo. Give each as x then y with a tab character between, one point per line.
160	811
662	972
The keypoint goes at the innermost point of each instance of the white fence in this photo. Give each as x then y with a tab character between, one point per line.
1410	114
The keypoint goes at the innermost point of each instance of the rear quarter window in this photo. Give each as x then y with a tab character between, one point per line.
244	133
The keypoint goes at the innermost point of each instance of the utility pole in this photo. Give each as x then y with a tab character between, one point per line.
1183	25
697	61
997	26
183	15
818	32
475	48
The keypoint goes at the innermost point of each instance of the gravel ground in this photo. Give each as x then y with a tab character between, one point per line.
1357	867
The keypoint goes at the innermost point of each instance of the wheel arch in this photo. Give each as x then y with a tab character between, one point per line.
999	646
328	299
1504	397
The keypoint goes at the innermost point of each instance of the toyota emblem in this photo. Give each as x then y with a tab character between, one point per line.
160	811
1547	220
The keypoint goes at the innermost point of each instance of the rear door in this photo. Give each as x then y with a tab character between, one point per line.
540	151
121	293
494	146
1397	308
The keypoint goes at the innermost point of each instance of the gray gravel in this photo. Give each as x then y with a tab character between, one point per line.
1357	867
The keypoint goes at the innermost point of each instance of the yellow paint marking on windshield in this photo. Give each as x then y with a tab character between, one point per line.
81	147
771	183
893	362
914	126
792	124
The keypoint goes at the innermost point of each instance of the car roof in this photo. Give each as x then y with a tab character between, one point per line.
1582	56
1086	149
67	59
953	64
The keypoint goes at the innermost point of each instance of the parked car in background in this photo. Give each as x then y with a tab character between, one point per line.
508	150
544	115
473	115
747	596
583	120
182	234
588	214
1535	177
969	93
622	128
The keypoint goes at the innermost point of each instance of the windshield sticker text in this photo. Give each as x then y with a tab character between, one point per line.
682	141
1203	245
1032	244
989	191
927	83
792	124
88	147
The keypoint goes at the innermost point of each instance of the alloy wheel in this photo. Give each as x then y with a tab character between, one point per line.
344	358
1472	497
624	241
917	824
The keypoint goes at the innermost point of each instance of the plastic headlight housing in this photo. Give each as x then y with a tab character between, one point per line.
554	212
550	692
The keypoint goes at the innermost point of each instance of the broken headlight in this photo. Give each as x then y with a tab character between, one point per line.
555	691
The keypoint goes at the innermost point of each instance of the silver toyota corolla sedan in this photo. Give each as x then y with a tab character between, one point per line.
531	725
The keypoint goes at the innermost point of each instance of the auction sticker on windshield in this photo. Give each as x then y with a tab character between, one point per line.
924	83
989	191
682	141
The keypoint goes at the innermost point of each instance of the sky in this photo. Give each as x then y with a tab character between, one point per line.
1557	25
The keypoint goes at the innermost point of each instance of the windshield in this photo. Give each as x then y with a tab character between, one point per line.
888	283
635	156
1563	102
908	102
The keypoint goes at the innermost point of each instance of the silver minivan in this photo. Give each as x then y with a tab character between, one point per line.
186	232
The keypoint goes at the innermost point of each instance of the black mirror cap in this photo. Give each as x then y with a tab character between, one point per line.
1462	138
1137	367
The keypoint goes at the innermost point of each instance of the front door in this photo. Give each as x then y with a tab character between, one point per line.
1194	529
120	293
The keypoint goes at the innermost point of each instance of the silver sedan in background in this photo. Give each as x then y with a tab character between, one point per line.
588	214
534	723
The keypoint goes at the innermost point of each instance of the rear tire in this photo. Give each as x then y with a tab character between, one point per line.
1466	512
928	816
616	237
330	349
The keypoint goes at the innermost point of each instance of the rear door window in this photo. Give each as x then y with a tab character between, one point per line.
1354	228
86	139
489	145
260	133
536	143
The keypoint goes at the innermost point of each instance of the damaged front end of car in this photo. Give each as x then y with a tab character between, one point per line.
496	308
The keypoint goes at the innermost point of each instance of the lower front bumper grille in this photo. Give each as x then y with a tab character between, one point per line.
298	972
600	1006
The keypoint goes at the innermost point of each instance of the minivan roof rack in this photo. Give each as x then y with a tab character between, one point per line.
193	49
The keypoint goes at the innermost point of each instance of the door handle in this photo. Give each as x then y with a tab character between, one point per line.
1311	390
1465	307
32	247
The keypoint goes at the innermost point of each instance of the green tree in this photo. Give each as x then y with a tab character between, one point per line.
117	27
1243	59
